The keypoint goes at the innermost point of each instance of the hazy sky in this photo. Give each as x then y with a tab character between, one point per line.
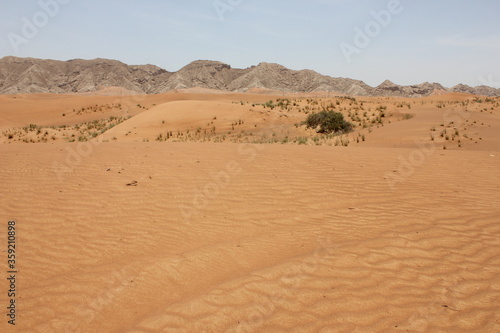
406	41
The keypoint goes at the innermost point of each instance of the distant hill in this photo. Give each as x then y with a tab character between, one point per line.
29	75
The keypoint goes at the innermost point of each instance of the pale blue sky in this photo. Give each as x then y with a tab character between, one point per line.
446	41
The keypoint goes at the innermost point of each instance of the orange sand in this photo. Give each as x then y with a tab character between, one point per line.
393	234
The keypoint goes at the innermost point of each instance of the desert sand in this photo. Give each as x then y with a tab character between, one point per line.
260	228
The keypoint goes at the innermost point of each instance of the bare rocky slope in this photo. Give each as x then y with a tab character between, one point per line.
29	75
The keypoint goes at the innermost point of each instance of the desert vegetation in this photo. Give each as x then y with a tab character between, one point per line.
328	122
84	131
335	121
465	127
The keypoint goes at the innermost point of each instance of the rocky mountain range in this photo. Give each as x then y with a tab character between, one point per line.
29	75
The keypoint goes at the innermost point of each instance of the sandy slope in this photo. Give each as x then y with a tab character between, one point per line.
181	116
481	128
48	109
203	237
295	239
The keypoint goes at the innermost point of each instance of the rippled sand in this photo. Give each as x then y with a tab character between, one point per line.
204	237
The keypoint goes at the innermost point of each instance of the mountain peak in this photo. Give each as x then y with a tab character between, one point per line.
205	63
387	84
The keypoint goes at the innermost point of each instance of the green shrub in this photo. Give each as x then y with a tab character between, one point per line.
328	122
269	104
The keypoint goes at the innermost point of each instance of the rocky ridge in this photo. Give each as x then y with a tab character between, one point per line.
30	75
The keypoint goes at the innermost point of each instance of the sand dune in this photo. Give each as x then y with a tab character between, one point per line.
48	109
133	236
